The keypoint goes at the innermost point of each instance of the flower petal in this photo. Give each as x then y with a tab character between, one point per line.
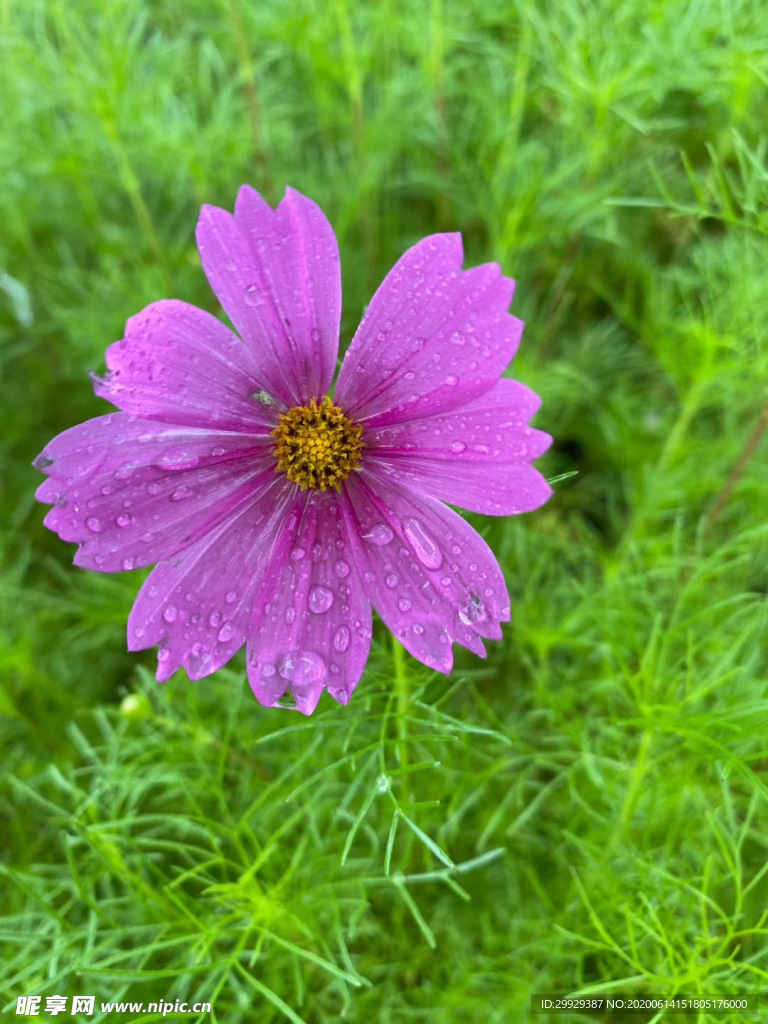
434	337
311	625
277	275
197	606
476	457
430	576
133	491
180	364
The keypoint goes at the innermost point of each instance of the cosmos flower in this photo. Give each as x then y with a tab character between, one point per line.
276	511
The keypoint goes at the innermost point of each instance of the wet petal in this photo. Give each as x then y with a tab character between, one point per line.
434	337
311	626
133	491
180	364
196	606
277	275
476	457
430	576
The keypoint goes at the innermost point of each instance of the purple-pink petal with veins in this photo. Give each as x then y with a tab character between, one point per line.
311	625
277	275
133	491
476	457
433	338
429	575
196	606
179	364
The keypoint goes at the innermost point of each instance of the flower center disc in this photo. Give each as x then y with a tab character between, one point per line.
317	446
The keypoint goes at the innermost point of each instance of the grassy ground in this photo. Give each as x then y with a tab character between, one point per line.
587	809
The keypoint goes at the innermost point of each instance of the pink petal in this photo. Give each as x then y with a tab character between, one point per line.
311	626
133	491
476	457
430	576
180	364
196	606
276	273
433	338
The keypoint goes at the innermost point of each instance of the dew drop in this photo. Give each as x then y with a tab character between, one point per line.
320	599
342	569
94	524
392	580
458	447
252	295
107	490
176	459
215	619
129	563
290	614
341	639
124	519
418	629
458	338
171	613
380	534
226	632
451	380
153	488
404	604
425	546
302	668
297	554
231	597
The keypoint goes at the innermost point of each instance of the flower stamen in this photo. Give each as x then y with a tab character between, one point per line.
317	445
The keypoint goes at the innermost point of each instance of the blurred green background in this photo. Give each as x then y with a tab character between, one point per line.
585	810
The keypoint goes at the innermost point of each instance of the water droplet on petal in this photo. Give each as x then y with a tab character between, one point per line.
181	493
176	459
451	379
226	632
124	519
94	524
215	619
252	295
425	546
320	599
418	629
171	613
342	569
129	563
458	338
458	447
341	639
297	554
392	580
302	668
404	604
380	534
268	669
231	597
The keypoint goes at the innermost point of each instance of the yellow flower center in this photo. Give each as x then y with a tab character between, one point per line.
317	446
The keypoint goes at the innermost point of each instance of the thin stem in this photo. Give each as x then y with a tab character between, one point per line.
737	472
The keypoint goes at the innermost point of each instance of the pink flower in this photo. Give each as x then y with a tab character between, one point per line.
277	515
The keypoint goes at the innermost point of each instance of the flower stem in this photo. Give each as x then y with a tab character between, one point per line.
403	699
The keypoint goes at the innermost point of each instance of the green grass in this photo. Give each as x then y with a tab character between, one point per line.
588	809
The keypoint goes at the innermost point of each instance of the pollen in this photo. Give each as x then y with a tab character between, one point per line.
317	445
